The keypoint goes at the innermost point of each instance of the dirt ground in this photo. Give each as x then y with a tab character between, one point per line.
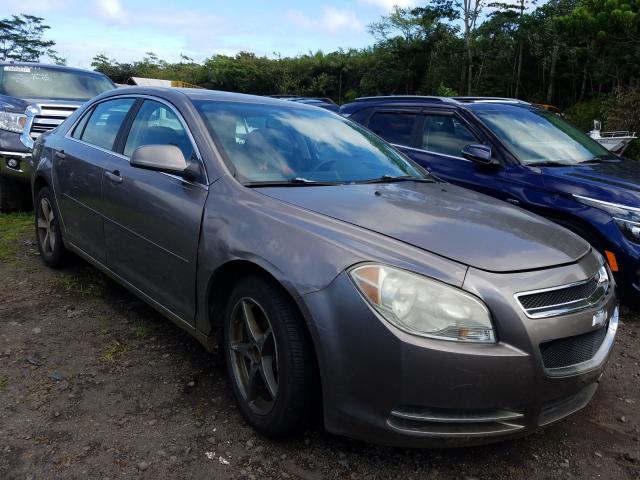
96	385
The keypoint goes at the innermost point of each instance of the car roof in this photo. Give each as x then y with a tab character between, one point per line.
407	100
211	95
11	63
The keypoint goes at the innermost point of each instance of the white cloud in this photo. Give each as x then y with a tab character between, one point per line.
332	20
387	5
111	10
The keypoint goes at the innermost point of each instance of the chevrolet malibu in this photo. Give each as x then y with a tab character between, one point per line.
335	274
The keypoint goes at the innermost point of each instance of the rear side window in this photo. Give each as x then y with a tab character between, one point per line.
394	127
104	123
79	128
445	134
157	124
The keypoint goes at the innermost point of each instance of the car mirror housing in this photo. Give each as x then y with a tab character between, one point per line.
479	154
162	158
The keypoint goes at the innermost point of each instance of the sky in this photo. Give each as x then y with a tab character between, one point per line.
127	29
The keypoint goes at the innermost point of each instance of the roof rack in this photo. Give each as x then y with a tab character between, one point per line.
490	100
425	98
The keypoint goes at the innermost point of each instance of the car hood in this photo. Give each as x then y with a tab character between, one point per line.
617	181
449	221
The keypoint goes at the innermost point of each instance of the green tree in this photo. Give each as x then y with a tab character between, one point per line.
22	39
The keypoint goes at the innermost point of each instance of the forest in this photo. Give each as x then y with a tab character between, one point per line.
582	56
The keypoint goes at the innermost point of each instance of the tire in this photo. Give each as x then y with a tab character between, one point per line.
48	232
291	370
14	195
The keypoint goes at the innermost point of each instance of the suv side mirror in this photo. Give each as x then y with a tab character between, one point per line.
162	158
479	154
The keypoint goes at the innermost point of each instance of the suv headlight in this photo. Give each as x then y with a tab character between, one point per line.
627	218
422	306
12	122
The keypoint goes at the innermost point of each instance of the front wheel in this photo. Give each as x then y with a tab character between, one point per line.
48	232
269	358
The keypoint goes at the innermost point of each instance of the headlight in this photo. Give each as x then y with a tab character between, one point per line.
13	122
422	306
603	278
627	218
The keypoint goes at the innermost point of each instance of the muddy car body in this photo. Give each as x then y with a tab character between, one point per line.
421	313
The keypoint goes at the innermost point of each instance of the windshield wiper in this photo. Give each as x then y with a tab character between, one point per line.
392	179
548	163
292	182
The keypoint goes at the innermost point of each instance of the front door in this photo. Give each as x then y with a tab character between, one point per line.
152	219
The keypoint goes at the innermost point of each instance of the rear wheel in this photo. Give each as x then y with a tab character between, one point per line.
269	358
48	232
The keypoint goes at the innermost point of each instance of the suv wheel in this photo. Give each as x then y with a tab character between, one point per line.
48	232
269	359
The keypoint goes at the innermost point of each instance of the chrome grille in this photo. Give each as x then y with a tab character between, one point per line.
559	297
572	350
49	117
564	298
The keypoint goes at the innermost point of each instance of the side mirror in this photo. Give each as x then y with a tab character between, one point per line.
162	158
479	154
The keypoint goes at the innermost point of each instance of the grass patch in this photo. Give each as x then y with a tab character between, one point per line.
14	228
114	351
144	330
84	284
4	383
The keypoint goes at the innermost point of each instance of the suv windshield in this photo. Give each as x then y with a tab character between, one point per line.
538	136
272	143
30	81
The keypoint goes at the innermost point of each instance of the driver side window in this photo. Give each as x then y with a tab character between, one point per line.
446	135
157	124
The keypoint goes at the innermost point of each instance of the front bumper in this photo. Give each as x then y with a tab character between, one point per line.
16	165
384	386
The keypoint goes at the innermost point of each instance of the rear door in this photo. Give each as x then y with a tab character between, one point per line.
152	219
79	164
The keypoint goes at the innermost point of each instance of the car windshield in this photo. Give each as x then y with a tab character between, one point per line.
42	82
277	143
537	136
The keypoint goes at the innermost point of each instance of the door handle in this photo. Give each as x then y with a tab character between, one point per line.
114	176
60	154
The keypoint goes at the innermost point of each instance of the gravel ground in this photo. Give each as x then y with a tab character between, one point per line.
94	384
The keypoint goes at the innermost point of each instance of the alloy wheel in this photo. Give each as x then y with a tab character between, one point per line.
46	227
254	355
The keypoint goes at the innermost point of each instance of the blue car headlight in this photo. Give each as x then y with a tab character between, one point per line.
626	218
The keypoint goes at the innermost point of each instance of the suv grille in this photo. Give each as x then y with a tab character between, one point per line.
563	299
569	351
50	117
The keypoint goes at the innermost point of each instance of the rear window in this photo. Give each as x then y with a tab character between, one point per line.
42	82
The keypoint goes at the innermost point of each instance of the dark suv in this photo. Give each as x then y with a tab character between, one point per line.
524	155
35	98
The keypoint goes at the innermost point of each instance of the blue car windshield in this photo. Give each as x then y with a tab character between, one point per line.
539	136
279	143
